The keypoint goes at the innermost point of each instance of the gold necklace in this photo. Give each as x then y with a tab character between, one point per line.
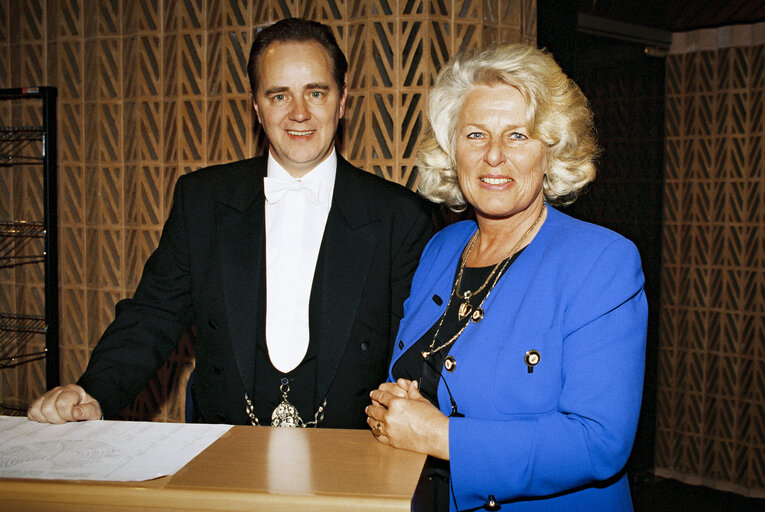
466	308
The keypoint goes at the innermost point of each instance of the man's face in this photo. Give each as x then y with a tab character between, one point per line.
298	104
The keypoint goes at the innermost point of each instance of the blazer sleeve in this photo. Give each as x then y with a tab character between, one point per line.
589	436
148	326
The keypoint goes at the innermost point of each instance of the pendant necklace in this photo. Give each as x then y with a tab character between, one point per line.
466	308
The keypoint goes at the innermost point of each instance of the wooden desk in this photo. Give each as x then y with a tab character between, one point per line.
249	469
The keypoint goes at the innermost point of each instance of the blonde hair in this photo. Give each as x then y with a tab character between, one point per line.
558	114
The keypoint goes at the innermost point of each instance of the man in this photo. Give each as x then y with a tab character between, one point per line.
294	283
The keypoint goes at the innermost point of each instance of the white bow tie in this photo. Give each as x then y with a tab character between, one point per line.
275	189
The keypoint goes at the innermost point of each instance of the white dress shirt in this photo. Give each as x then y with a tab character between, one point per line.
296	215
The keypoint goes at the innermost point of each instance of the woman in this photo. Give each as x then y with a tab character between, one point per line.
518	366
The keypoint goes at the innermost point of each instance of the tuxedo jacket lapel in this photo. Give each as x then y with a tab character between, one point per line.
350	237
241	239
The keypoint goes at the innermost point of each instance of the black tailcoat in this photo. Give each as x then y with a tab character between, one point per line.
206	271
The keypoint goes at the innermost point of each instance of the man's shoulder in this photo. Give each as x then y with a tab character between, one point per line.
378	190
223	173
235	183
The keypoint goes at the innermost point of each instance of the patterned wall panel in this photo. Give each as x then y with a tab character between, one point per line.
711	408
67	65
152	89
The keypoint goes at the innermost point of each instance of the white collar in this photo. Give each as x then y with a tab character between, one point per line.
324	173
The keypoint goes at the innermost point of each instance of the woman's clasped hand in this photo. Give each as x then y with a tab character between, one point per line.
401	417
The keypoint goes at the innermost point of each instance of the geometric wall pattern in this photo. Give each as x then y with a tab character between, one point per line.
711	370
152	89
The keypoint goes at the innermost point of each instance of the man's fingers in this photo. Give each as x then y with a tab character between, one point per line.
87	411
48	411
34	413
69	398
64	403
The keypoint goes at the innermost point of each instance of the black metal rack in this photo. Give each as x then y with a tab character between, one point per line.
32	145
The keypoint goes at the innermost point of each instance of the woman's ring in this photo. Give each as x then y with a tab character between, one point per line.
378	428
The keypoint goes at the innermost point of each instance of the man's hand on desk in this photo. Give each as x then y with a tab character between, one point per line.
64	403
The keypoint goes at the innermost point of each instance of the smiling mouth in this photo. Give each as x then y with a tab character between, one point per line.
296	133
495	181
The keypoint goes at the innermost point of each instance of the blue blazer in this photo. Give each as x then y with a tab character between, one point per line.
557	438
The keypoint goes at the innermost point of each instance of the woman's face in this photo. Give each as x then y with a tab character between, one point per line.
500	169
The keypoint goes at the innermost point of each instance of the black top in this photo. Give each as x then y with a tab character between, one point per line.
411	364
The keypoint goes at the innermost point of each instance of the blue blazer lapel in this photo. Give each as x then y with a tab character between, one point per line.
241	241
436	275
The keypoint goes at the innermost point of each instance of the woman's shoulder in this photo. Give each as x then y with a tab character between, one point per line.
458	229
449	240
582	248
572	233
454	233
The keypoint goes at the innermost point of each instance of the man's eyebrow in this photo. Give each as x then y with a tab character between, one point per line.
274	90
280	89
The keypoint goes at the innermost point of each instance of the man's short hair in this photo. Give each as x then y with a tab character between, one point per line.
297	30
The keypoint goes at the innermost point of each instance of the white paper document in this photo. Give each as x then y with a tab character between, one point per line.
100	450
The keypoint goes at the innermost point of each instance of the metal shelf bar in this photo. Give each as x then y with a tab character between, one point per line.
22	228
50	222
19	359
14	139
15	237
16	327
12	409
15	333
10	133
